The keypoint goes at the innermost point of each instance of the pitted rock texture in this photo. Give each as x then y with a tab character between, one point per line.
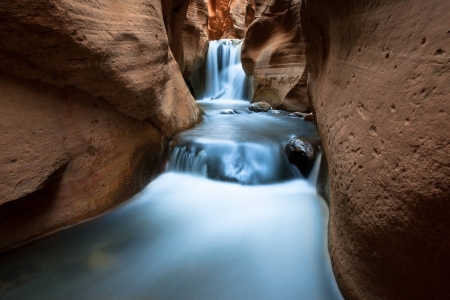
379	83
118	51
273	56
90	95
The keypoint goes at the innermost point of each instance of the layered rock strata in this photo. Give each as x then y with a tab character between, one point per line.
90	95
273	56
379	74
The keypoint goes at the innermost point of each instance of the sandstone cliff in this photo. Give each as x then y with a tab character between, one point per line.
273	56
195	46
379	83
229	19
90	94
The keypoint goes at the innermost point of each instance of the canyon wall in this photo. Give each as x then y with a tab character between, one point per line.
229	19
273	56
90	95
379	74
195	46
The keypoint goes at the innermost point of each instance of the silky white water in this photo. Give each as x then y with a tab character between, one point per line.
230	219
225	78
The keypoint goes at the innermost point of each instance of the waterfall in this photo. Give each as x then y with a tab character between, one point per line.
225	78
313	176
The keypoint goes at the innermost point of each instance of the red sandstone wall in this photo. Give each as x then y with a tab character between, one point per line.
90	95
379	83
273	56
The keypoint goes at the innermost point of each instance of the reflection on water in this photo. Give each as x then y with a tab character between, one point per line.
185	237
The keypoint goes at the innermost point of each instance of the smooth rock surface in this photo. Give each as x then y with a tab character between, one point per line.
273	56
302	154
118	50
379	82
66	156
90	95
195	46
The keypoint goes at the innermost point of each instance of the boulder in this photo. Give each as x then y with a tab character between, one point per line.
302	154
260	107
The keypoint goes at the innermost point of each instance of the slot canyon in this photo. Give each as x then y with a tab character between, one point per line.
224	149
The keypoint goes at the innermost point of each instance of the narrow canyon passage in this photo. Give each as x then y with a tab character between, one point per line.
230	218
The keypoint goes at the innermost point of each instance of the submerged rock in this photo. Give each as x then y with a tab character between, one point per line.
302	154
260	107
228	112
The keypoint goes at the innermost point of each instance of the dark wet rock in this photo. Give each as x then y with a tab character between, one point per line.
302	154
309	117
260	107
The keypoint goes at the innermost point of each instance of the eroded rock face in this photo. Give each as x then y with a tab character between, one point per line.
379	74
90	96
273	56
118	51
229	19
195	46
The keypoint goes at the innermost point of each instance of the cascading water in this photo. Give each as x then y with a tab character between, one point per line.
230	219
225	78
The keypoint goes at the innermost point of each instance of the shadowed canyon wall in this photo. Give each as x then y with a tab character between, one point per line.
379	74
273	56
195	46
90	95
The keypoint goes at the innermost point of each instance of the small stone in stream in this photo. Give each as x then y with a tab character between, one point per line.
305	116
309	117
297	115
275	111
228	112
260	107
301	154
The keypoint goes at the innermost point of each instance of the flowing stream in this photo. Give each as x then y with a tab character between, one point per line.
229	219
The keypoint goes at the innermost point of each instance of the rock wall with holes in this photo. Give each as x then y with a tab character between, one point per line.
379	74
90	95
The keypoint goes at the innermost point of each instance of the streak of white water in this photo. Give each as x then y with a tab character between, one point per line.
225	78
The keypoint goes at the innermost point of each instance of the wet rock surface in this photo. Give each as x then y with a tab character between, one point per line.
302	154
260	107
